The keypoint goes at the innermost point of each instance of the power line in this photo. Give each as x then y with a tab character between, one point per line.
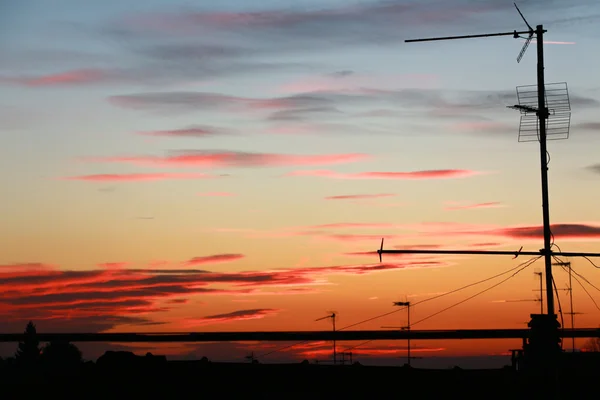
586	292
446	293
581	276
591	262
528	262
522	266
581	284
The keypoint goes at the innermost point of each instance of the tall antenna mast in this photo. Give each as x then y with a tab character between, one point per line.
542	115
541	111
570	289
544	327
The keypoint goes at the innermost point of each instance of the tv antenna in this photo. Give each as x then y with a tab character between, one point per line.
250	357
332	315
538	108
405	304
567	265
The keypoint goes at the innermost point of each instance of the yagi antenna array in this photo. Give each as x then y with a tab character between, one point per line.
528	39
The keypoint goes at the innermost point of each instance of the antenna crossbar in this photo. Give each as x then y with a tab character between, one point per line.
514	34
515	254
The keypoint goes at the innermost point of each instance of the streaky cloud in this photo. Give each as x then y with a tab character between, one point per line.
190	131
223	158
471	206
239	315
413	175
138	177
359	196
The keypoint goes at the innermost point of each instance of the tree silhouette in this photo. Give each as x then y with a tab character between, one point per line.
28	352
61	354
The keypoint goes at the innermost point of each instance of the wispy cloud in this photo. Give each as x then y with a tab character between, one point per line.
113	265
190	131
214	259
594	168
592	126
199	101
239	315
138	177
299	28
67	78
552	42
221	158
451	205
563	231
352	81
413	175
98	299
359	196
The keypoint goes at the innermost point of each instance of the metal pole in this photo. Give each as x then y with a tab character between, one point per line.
334	351
571	300
542	116
408	328
541	293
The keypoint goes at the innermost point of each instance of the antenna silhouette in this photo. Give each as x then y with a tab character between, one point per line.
537	106
251	358
570	289
332	315
528	39
407	327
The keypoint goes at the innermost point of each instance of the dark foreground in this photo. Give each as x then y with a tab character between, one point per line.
186	379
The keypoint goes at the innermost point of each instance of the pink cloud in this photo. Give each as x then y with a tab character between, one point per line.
458	206
216	194
236	159
373	254
239	315
430	174
564	231
551	42
214	259
560	231
205	100
113	265
99	299
354	225
137	177
359	196
74	77
359	238
177	301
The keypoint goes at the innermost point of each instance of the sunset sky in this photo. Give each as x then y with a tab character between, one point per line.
230	166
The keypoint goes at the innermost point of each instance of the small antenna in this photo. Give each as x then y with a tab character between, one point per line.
524	20
251	358
527	40
332	315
